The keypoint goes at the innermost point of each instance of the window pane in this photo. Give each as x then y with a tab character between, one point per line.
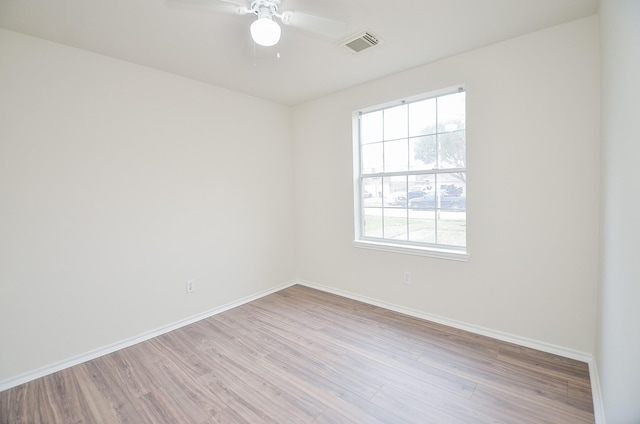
395	191
422	153
371	158
371	127
371	192
396	156
451	191
452	150
422	183
451	112
395	122
452	226
422	226
422	117
418	183
372	222
395	223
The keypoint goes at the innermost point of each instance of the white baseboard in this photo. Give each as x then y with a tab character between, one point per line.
499	335
522	341
598	405
58	366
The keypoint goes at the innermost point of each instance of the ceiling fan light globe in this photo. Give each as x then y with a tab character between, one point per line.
265	32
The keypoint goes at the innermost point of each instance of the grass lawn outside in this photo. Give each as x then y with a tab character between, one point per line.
426	226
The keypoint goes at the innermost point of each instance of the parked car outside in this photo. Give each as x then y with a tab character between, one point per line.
400	199
428	201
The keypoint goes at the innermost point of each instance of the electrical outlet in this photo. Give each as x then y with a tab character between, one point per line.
191	286
407	277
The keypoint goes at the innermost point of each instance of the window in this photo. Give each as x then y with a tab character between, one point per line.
411	176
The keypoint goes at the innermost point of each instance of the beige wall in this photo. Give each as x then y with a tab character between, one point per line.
117	184
532	192
618	339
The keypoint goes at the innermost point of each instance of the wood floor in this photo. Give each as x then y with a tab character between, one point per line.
305	356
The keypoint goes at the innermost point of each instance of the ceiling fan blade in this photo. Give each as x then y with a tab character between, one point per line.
317	24
211	6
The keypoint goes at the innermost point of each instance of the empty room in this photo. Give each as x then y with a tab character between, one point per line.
297	211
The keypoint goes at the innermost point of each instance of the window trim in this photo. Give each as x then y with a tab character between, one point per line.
388	245
429	251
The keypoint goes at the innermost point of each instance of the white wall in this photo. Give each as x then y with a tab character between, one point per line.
533	191
117	184
618	338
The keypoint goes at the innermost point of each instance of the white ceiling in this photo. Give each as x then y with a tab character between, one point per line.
216	48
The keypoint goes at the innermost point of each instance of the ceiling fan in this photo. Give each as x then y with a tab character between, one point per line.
265	30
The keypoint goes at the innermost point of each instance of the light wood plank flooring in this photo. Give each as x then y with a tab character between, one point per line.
305	356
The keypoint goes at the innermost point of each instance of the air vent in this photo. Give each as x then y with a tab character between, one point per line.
361	42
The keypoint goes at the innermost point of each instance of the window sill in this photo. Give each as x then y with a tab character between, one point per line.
453	255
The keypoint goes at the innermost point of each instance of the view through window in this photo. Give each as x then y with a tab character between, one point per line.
411	171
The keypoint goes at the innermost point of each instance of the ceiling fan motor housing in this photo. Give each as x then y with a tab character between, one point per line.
265	8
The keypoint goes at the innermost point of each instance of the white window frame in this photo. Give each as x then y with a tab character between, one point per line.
392	245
